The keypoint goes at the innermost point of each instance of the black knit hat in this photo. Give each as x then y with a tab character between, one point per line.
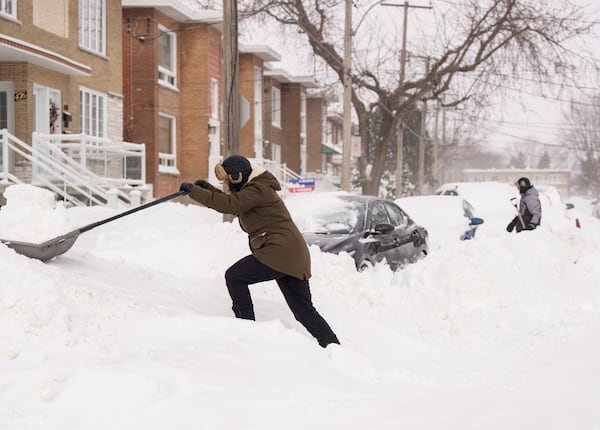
236	164
235	169
524	184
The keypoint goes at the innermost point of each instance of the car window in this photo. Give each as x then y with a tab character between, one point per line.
330	216
378	215
395	214
468	209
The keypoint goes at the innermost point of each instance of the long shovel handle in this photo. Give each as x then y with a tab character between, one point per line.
130	211
513	200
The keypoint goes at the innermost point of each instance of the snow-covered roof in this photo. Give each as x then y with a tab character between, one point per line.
178	10
263	52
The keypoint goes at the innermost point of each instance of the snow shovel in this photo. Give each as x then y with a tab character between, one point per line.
59	245
514	203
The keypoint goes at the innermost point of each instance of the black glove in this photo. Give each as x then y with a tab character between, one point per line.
186	186
201	183
531	226
511	225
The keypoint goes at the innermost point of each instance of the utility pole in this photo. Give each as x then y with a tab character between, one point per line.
347	81
400	126
230	80
421	175
230	85
436	144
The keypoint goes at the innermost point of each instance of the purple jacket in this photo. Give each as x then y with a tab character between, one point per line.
530	206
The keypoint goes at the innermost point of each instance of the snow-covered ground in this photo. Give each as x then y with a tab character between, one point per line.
132	329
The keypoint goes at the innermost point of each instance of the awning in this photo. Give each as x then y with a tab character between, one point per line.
15	50
326	149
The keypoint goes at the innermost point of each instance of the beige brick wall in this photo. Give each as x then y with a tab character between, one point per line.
52	16
53	25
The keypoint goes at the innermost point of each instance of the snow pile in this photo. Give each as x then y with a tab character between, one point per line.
133	329
31	214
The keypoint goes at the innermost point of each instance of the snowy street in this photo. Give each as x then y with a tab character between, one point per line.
132	329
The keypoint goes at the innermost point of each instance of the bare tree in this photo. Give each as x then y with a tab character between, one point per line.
584	137
479	46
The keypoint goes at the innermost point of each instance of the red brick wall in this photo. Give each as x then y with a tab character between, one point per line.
198	59
140	74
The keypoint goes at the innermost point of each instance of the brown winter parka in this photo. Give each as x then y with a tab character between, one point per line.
273	237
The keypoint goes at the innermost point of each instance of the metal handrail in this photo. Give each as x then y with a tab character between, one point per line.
94	182
52	167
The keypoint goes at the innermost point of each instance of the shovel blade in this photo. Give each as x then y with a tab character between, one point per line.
44	251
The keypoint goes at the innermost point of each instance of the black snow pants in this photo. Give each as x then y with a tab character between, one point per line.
296	292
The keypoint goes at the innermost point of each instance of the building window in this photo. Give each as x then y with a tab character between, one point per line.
92	25
555	179
276	107
303	154
92	108
276	153
167	162
214	98
167	52
8	7
258	149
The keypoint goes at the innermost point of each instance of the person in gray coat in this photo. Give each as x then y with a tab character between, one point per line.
530	208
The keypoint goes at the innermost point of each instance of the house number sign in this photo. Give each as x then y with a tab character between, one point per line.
21	95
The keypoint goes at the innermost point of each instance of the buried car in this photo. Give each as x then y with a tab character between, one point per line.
446	217
370	229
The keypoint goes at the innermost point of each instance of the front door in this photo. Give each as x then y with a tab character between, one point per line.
46	110
7	113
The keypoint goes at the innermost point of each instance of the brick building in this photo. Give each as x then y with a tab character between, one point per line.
60	68
171	83
285	118
252	61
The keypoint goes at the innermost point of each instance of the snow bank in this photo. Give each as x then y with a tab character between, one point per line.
31	214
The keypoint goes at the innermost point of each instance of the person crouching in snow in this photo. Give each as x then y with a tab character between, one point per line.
279	251
530	208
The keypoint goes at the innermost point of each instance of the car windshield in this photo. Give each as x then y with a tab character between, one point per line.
327	215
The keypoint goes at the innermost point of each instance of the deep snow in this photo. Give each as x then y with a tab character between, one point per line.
132	329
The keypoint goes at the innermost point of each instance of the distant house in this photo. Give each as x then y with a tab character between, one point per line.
332	146
171	83
559	178
285	116
252	61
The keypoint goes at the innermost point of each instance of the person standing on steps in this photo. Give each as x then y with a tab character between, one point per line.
530	208
279	251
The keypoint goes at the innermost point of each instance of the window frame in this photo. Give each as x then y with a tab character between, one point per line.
214	98
276	107
258	115
89	44
100	127
167	77
167	162
5	4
